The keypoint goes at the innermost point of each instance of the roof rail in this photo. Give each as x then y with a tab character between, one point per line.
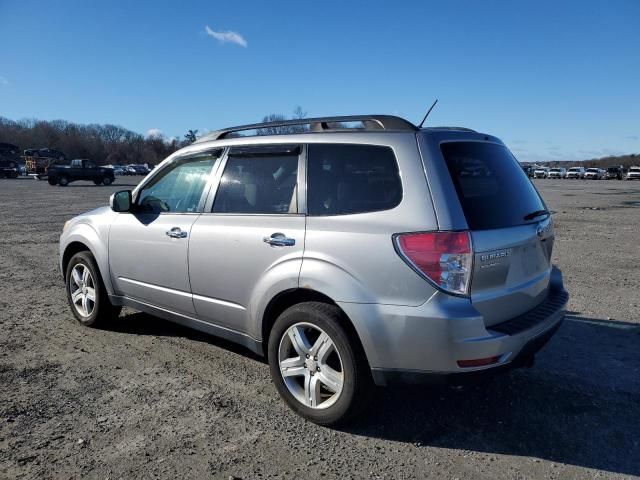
462	129
320	124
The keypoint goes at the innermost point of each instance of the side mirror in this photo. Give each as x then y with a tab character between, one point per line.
121	201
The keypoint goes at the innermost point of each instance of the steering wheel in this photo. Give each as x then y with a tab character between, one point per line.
154	204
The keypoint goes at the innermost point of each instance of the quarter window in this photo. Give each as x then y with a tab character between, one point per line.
255	182
344	179
178	188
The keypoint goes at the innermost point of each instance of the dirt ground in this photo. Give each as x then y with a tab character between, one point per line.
146	398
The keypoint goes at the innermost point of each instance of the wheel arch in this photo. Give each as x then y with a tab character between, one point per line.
70	250
288	298
85	238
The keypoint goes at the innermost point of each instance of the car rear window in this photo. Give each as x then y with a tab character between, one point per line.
493	190
346	179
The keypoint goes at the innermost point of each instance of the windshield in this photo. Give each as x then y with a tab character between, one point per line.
555	169
612	169
592	169
634	169
574	169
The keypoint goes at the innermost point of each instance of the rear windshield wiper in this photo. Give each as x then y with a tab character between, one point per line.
537	213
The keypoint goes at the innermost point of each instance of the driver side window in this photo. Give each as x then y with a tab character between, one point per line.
179	186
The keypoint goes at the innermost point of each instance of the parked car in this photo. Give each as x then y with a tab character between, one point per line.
119	170
615	172
558	173
541	172
45	153
138	169
277	243
633	173
528	170
594	174
576	172
61	174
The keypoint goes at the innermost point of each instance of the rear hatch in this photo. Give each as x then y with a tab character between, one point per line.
511	230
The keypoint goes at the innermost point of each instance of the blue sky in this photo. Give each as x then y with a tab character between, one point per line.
554	80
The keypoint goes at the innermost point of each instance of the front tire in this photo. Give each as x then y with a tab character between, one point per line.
86	294
52	181
316	365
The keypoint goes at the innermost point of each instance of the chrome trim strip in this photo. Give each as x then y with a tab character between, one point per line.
183	294
219	302
155	287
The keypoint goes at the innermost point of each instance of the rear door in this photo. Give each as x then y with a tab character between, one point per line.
248	244
511	231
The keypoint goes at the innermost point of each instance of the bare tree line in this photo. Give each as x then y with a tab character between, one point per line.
106	144
102	143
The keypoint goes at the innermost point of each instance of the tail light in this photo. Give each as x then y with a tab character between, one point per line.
444	258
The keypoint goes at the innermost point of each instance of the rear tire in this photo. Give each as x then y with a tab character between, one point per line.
52	181
86	294
63	181
327	376
107	181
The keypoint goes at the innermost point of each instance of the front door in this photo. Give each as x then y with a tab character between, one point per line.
250	242
148	247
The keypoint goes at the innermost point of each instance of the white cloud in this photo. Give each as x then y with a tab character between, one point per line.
226	37
3	81
155	132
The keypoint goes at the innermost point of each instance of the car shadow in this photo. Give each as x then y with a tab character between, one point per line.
138	323
579	405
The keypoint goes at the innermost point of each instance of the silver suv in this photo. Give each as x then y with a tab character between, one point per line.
350	251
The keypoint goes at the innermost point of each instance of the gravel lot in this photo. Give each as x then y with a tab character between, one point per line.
146	398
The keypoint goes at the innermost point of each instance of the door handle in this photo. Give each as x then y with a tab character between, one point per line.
279	240
175	232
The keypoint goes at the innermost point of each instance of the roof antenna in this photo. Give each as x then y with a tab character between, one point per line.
427	114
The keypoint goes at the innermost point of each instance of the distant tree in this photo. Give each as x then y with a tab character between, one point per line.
298	114
191	136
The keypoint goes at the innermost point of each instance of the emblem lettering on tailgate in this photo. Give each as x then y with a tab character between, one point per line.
494	255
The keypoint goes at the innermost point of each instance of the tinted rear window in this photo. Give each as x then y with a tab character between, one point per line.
493	190
344	179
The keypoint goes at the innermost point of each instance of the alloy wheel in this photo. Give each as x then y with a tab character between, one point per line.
82	287
310	365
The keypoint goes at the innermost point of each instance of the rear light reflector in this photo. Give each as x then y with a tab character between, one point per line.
480	362
444	258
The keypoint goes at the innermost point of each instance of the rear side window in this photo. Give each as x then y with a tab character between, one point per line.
258	183
344	179
493	190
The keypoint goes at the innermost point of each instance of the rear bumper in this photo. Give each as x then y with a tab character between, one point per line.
423	344
525	358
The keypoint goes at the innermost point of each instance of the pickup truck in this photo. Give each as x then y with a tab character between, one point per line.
79	170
